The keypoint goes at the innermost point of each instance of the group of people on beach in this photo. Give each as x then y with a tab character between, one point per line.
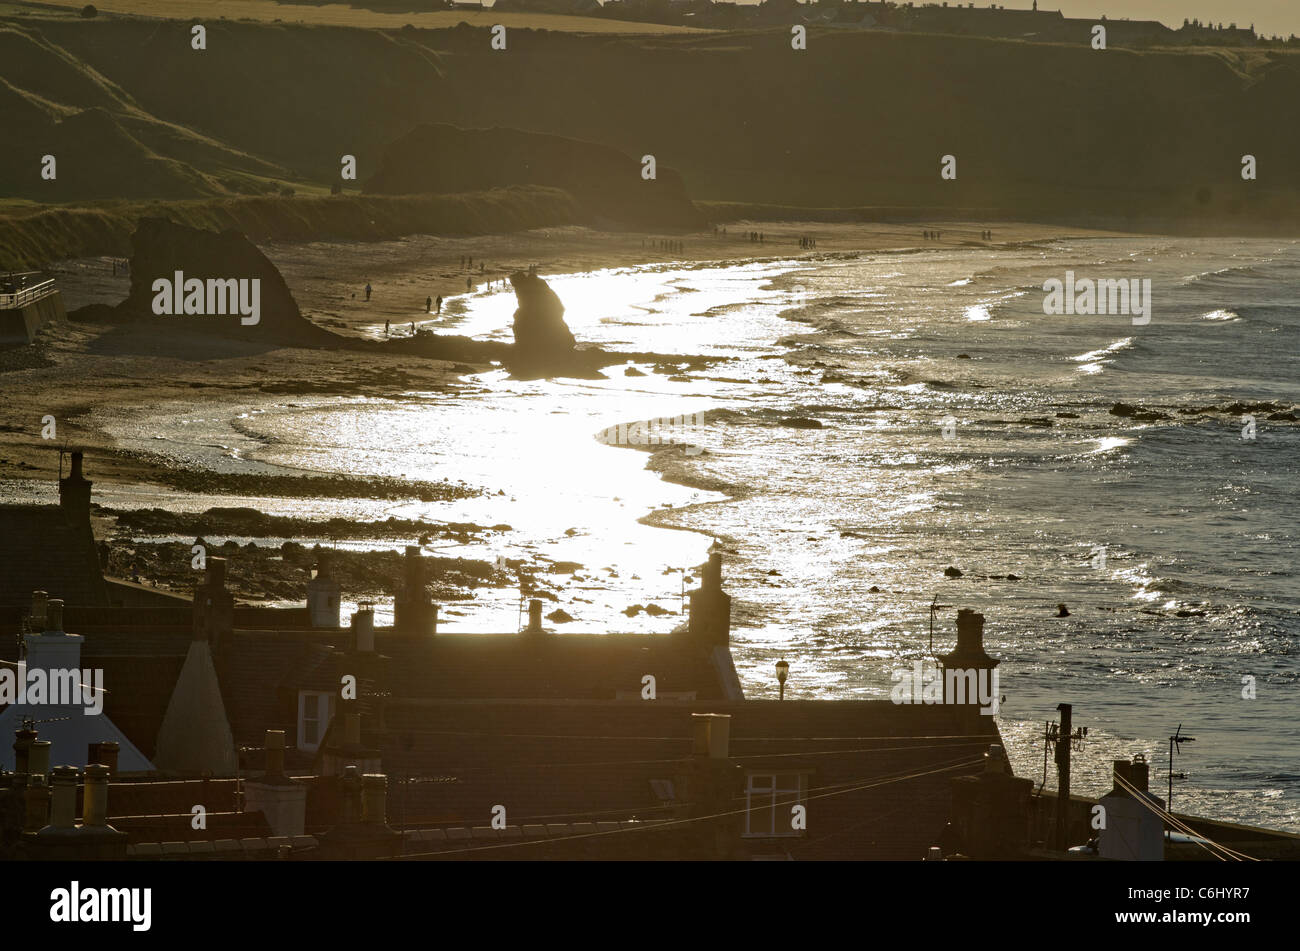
807	242
715	231
936	235
121	266
663	244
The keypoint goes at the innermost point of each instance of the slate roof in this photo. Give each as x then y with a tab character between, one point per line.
878	773
558	666
43	551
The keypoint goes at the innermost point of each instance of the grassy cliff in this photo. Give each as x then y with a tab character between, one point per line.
31	236
858	120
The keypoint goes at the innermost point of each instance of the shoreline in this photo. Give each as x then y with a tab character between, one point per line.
113	363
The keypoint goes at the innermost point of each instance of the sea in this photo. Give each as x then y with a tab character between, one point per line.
871	420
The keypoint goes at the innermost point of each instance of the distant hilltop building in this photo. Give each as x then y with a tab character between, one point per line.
990	20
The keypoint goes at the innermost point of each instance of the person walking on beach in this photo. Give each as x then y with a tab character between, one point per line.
438	303
413	328
367	290
469	283
428	304
386	330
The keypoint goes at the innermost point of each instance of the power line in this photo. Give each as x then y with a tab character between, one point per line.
673	822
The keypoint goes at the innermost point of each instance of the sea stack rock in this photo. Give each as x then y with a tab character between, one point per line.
212	282
542	338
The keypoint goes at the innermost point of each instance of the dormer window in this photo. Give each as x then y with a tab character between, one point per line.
770	799
315	710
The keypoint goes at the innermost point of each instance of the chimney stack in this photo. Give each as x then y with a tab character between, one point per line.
972	666
217	573
710	618
323	594
413	612
74	494
214	607
1135	773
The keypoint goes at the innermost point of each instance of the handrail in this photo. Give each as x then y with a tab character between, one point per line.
26	295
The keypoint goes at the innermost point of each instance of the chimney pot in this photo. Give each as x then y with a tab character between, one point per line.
23	740
534	617
94	808
63	797
76	465
363	627
351	787
38	758
713	573
274	747
54	616
712	734
39	601
217	573
105	753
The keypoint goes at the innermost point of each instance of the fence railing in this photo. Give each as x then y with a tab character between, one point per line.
26	295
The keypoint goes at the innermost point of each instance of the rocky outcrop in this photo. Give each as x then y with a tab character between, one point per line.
541	335
204	280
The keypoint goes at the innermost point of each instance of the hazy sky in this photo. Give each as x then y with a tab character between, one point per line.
1269	16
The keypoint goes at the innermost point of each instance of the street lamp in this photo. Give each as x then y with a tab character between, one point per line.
782	671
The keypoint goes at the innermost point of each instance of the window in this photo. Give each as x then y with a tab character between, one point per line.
315	710
769	798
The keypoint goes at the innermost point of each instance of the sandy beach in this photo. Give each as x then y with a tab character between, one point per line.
142	365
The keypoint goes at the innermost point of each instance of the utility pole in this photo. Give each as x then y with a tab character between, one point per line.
1063	737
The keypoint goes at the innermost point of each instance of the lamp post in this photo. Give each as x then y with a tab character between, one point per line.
782	671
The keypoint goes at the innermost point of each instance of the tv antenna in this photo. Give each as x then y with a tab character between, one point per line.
1175	741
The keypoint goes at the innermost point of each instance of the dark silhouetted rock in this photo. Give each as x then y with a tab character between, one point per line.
541	336
951	572
161	248
801	422
1127	411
